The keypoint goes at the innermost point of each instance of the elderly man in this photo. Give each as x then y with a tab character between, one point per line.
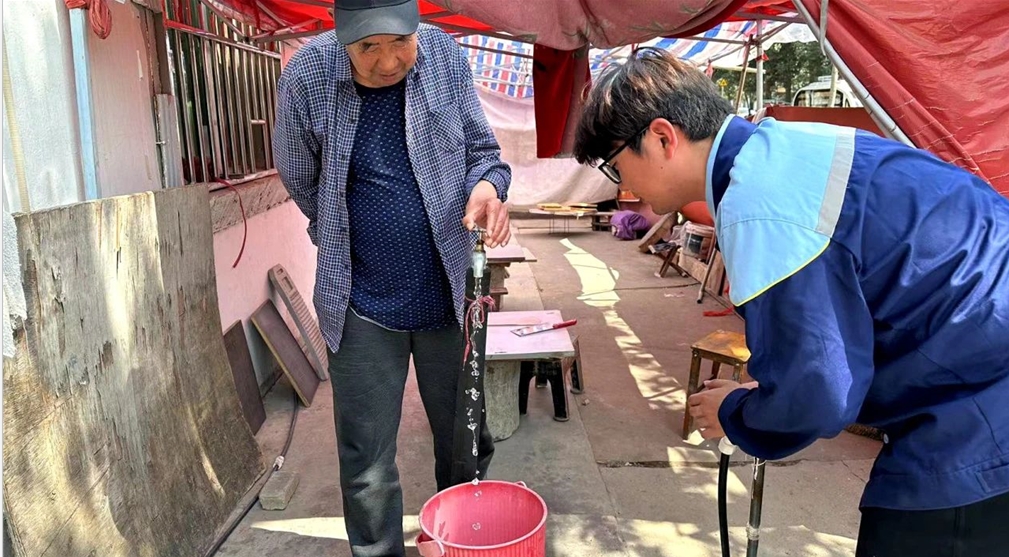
874	280
381	141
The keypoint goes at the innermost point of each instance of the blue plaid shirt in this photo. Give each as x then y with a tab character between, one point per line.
451	148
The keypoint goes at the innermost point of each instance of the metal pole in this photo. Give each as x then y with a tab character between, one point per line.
181	95
742	76
212	77
833	84
79	29
875	110
496	51
264	99
224	66
260	113
198	108
756	506
271	67
760	67
247	122
236	100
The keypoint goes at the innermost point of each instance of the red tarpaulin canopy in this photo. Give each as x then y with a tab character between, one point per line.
938	68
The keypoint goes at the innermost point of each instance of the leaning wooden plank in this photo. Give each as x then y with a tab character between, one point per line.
657	231
242	371
308	328
285	349
122	432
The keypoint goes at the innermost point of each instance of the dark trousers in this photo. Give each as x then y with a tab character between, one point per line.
369	376
977	530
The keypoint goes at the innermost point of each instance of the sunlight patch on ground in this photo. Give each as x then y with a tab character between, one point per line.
598	283
330	527
668	539
636	536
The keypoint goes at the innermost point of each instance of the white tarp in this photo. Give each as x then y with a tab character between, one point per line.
538	180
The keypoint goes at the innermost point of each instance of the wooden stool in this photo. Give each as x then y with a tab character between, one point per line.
721	347
549	372
601	220
668	260
573	366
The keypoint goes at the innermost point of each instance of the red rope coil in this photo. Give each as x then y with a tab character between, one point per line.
245	221
476	314
98	13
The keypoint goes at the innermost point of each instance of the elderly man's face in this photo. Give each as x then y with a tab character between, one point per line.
383	60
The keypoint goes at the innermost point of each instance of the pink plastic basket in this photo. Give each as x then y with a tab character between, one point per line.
488	519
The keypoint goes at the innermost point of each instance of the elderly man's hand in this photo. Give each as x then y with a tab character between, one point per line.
704	405
485	210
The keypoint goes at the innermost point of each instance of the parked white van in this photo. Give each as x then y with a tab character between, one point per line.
817	94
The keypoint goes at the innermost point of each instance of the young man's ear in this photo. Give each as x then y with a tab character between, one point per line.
668	135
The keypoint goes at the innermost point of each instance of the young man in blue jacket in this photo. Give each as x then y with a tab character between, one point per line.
874	281
382	143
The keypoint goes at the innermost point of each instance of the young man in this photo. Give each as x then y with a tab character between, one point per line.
381	141
874	281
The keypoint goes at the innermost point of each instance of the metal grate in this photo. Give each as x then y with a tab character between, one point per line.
225	87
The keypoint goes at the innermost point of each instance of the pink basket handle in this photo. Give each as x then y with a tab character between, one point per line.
431	548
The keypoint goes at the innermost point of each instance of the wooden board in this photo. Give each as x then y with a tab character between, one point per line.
657	231
122	432
502	344
246	385
286	350
311	336
716	284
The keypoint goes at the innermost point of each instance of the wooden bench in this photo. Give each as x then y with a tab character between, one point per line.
514	361
498	261
498	293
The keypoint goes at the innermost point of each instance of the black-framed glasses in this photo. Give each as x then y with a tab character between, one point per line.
606	168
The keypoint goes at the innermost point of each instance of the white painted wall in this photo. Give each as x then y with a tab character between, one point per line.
275	237
39	55
37	39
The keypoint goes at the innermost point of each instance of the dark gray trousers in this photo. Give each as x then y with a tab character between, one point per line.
369	376
976	530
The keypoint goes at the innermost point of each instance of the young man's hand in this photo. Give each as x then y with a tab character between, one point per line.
485	210
704	405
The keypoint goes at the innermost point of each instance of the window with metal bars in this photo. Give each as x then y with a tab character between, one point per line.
218	119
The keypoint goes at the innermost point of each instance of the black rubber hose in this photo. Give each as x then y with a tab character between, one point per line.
252	502
723	512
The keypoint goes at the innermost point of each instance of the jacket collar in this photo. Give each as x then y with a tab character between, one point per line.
735	131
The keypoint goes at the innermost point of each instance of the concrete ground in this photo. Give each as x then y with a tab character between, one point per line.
617	477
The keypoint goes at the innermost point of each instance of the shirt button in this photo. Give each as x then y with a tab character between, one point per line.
343	156
886	439
353	120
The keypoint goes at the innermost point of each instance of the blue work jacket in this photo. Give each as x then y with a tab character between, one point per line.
874	281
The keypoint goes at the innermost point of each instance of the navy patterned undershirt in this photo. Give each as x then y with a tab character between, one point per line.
397	278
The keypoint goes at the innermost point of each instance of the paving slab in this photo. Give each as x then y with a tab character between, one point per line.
617	478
